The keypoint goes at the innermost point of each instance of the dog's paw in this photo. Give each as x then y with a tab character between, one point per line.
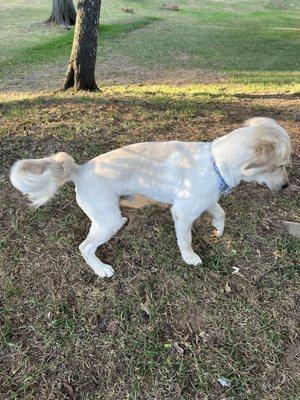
191	258
218	232
104	271
219	228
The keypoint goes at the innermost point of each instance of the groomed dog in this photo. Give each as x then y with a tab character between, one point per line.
190	177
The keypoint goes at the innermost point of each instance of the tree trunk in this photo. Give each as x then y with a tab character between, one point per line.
63	13
81	70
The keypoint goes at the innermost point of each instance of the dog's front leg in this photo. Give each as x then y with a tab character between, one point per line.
183	227
218	215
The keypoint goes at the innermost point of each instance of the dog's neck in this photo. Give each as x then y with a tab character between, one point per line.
227	157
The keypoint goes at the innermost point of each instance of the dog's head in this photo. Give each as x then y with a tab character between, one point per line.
270	150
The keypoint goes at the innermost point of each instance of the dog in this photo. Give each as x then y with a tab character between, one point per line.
189	176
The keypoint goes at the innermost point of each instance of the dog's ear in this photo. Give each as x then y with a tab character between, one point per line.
264	152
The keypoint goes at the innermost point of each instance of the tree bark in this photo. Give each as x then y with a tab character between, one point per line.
81	69
63	13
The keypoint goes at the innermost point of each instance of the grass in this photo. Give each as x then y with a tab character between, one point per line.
60	46
158	329
255	42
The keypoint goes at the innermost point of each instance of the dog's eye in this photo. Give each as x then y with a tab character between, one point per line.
281	166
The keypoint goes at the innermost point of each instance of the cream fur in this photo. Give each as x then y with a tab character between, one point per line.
176	173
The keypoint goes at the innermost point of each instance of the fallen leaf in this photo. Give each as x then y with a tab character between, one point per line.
236	270
145	306
293	228
179	349
112	326
227	288
69	389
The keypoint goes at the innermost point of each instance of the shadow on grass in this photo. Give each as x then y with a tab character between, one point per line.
111	121
151	100
61	46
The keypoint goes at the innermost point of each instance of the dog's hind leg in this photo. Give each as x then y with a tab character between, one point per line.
218	216
106	220
183	226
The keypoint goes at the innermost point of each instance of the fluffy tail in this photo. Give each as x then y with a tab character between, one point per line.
39	179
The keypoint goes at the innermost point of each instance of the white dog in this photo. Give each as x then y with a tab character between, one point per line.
189	176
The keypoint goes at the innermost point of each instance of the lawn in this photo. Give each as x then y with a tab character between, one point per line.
249	42
158	330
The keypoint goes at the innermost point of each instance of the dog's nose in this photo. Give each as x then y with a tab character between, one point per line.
285	185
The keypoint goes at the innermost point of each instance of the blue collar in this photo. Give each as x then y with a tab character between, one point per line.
223	187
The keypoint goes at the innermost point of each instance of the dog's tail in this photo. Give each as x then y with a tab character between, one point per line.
39	179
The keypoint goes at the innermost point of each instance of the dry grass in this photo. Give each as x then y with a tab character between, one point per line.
158	329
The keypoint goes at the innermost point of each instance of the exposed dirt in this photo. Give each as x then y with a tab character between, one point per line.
116	71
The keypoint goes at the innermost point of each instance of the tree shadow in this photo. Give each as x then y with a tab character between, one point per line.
61	46
47	124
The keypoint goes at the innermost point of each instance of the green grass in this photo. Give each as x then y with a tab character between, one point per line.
66	334
60	46
254	42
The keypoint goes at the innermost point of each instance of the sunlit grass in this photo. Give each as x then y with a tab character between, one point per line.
225	92
253	42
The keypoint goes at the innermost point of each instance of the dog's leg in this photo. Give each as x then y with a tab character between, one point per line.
218	215
105	223
183	227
